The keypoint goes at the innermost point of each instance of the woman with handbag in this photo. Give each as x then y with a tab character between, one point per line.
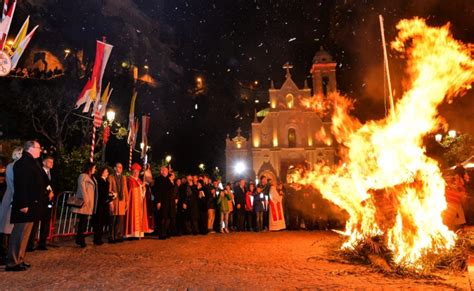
87	191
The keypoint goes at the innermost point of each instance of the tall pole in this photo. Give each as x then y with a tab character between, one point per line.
94	129
385	59
104	143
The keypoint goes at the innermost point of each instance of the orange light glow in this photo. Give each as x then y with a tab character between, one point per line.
256	141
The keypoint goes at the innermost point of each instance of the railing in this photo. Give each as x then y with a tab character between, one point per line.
63	220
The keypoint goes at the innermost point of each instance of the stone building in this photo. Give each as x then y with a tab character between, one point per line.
291	133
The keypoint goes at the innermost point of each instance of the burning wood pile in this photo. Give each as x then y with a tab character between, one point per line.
393	192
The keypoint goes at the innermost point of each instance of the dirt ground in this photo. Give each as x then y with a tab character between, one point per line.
237	260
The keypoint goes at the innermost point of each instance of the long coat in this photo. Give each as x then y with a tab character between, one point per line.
29	190
163	191
87	190
102	209
188	195
5	207
119	186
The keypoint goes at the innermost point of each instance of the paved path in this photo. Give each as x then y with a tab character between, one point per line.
237	260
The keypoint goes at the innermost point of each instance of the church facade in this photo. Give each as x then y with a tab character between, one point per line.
291	134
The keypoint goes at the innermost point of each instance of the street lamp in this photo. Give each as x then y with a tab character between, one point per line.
239	167
202	166
438	137
111	116
168	161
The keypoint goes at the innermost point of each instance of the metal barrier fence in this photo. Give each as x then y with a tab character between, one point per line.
63	220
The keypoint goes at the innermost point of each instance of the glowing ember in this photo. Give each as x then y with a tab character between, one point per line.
384	170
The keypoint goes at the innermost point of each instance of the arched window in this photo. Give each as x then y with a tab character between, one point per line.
290	100
291	138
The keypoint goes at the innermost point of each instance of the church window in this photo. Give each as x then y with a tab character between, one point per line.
291	138
290	100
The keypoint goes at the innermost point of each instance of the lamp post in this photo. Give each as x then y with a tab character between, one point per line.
105	139
239	168
168	161
202	167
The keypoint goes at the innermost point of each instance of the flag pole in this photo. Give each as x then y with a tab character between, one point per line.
132	111
94	129
130	158
386	68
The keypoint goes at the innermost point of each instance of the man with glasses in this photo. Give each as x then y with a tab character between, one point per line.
26	205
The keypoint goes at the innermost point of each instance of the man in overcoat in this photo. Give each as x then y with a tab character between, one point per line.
28	204
164	199
43	224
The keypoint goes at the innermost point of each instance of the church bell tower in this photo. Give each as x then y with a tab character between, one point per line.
324	73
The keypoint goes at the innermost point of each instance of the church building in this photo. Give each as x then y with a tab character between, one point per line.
292	133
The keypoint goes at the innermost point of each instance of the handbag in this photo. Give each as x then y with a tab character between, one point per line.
74	201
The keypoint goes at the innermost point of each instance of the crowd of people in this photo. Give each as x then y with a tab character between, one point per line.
127	207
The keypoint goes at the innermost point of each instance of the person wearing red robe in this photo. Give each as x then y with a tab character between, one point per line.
136	219
276	216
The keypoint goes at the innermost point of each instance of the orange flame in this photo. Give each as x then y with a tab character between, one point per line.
384	161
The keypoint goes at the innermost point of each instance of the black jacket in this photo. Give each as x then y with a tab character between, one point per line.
30	190
163	190
239	197
103	199
188	195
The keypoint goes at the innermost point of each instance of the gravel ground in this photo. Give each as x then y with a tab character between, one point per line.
237	260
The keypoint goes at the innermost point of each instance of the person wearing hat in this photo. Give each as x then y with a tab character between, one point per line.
136	219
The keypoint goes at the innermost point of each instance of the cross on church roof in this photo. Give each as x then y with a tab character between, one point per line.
239	131
287	66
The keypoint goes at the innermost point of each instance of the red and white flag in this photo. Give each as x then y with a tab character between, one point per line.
102	55
5	24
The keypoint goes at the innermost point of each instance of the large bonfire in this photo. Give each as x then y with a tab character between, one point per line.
385	181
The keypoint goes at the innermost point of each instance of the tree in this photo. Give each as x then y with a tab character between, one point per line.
48	107
457	149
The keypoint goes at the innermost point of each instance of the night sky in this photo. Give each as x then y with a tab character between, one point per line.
232	44
251	40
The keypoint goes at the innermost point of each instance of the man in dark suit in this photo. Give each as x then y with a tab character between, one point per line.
44	222
28	204
239	198
164	198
